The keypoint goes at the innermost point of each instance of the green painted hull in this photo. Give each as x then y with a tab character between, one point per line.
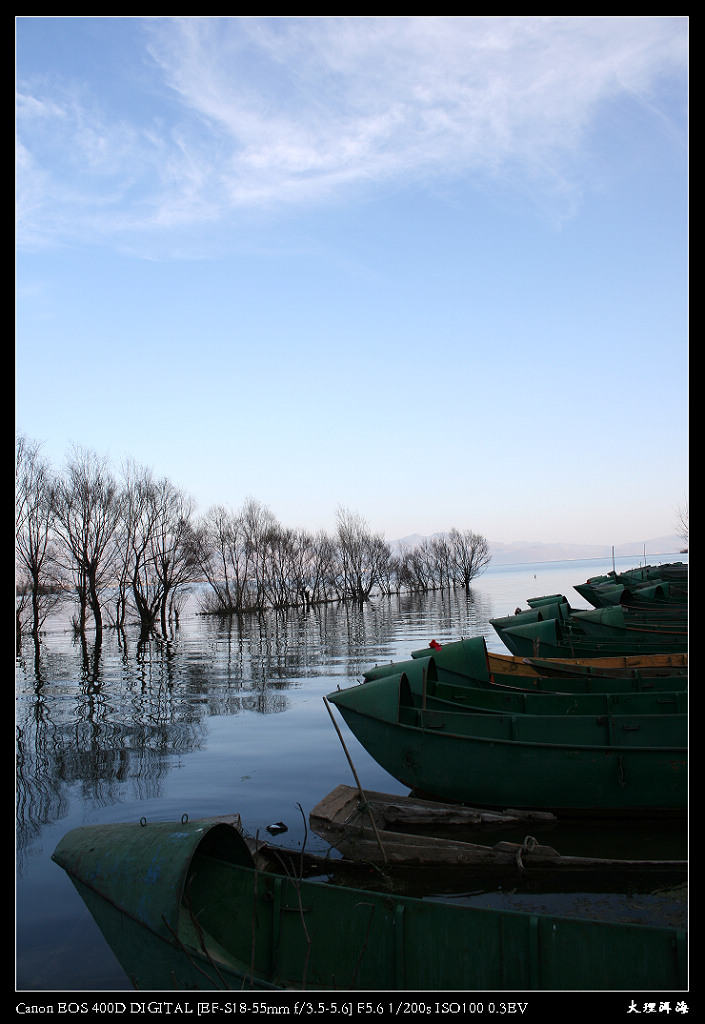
468	663
669	671
429	691
265	931
563	763
600	633
647	586
644	595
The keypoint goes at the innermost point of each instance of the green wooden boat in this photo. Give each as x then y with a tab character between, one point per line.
597	633
653	670
672	571
539	610
650	584
183	907
567	764
470	656
430	689
646	617
378	828
468	662
635	595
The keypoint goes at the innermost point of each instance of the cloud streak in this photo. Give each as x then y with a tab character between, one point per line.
255	114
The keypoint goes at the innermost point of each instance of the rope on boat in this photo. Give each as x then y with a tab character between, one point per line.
527	846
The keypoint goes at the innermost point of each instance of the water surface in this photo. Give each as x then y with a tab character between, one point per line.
228	717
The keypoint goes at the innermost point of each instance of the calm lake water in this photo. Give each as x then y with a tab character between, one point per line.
225	718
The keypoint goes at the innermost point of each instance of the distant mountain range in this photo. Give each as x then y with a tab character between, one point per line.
537	551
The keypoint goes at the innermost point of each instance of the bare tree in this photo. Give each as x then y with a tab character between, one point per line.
470	555
37	577
404	569
140	513
361	556
322	573
87	506
232	551
257	524
117	611
682	522
442	555
386	565
425	564
304	573
289	566
173	548
278	567
140	540
162	550
215	546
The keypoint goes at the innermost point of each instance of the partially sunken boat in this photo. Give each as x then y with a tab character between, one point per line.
183	907
382	828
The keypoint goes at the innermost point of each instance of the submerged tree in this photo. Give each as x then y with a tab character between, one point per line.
37	575
682	522
160	545
362	557
258	524
173	547
87	505
287	563
136	541
442	558
322	568
445	560
469	556
231	551
215	547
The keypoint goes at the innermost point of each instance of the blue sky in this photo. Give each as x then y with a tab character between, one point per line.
433	270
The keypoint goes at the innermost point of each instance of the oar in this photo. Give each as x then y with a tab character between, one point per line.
359	787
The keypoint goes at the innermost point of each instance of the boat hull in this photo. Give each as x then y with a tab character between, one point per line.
564	764
257	930
433	685
376	828
469	661
554	638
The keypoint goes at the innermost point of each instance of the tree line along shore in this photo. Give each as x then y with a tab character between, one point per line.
125	547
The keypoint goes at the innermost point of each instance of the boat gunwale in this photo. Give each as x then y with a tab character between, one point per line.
513	743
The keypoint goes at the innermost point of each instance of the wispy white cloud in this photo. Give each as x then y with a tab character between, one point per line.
254	113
